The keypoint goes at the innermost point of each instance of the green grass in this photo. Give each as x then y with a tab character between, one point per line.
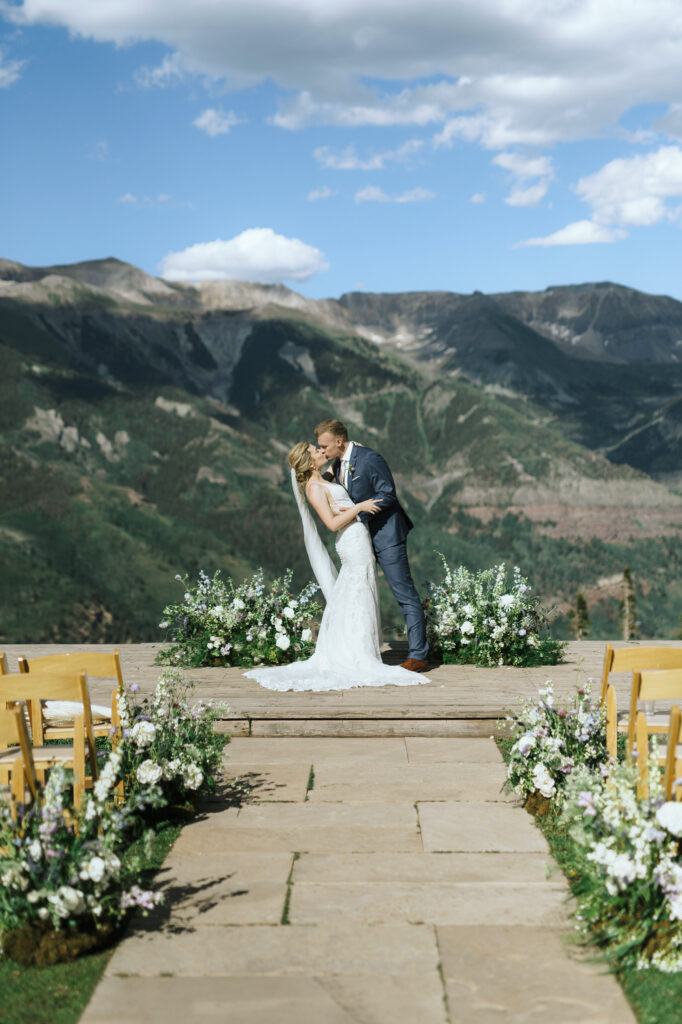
59	994
651	993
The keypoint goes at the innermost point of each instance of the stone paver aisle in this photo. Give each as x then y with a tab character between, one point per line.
403	887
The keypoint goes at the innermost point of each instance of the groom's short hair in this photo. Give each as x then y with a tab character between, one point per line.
334	427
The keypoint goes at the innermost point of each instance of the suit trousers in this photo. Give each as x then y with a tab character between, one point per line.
396	569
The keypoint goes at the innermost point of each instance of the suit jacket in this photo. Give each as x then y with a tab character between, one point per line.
370	477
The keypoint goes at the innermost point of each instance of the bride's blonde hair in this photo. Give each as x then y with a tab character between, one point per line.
301	463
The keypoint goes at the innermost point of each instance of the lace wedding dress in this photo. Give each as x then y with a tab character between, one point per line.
348	645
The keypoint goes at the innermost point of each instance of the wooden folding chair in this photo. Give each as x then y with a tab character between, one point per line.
17	768
35	687
673	759
649	687
611	722
629	659
98	665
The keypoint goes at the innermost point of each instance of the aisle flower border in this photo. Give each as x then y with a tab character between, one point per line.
70	877
628	851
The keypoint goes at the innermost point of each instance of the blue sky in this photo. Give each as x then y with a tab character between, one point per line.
339	145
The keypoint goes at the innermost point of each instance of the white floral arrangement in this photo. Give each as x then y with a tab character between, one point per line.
630	893
67	870
168	741
488	618
551	739
218	623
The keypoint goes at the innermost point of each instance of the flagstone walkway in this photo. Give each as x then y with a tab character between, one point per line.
364	881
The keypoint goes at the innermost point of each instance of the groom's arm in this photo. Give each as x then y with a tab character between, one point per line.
381	481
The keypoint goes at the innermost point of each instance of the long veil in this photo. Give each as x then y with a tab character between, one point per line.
324	570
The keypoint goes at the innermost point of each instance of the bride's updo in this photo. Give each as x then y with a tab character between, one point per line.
301	463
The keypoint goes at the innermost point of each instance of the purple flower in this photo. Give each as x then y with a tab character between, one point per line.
134	688
586	801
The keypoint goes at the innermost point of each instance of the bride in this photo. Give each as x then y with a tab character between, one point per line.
348	645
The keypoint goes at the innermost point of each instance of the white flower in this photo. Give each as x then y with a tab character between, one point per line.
466	627
96	869
35	850
525	744
67	901
543	781
307	635
293	604
217	612
283	641
288	612
238	604
279	626
43	913
148	772
193	776
506	601
669	817
172	768
142	734
33	896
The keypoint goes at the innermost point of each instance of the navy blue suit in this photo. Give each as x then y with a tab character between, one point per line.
370	477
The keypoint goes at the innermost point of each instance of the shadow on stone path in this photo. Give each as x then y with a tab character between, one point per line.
403	887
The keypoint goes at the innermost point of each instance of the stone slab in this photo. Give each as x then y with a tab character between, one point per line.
398	783
506	975
473	903
438	750
337	999
214	888
271	783
260	750
322	828
479	826
338	947
422	867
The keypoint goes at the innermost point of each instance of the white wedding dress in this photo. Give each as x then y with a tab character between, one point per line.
348	645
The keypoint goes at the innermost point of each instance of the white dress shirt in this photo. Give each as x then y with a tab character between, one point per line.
345	462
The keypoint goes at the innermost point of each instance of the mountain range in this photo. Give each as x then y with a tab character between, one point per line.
144	426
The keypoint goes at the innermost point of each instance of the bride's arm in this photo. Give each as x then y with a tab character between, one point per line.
317	496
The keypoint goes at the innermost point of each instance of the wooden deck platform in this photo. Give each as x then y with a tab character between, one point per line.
459	700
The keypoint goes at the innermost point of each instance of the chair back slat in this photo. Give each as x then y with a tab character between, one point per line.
98	664
4	667
627	659
13	732
652	686
611	722
672	761
642	756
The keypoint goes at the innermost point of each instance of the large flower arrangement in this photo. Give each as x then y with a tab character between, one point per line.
168	742
218	623
64	871
551	740
488	618
630	891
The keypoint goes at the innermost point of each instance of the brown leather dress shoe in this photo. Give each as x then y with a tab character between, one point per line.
414	665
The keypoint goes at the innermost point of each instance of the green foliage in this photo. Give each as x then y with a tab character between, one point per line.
579	618
219	623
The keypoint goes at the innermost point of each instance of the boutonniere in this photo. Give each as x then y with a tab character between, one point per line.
351	468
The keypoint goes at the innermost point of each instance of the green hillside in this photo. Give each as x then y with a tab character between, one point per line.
140	441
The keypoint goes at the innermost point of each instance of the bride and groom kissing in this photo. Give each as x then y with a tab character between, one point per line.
356	499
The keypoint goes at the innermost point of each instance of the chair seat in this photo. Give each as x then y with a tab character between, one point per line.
61	753
61	714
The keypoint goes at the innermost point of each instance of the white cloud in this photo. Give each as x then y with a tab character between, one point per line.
581	232
323	192
591	60
128	198
216	122
632	191
164	197
348	160
478	197
257	254
10	70
373	194
100	151
523	169
170	70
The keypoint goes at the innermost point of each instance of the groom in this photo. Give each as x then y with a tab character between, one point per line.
365	474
